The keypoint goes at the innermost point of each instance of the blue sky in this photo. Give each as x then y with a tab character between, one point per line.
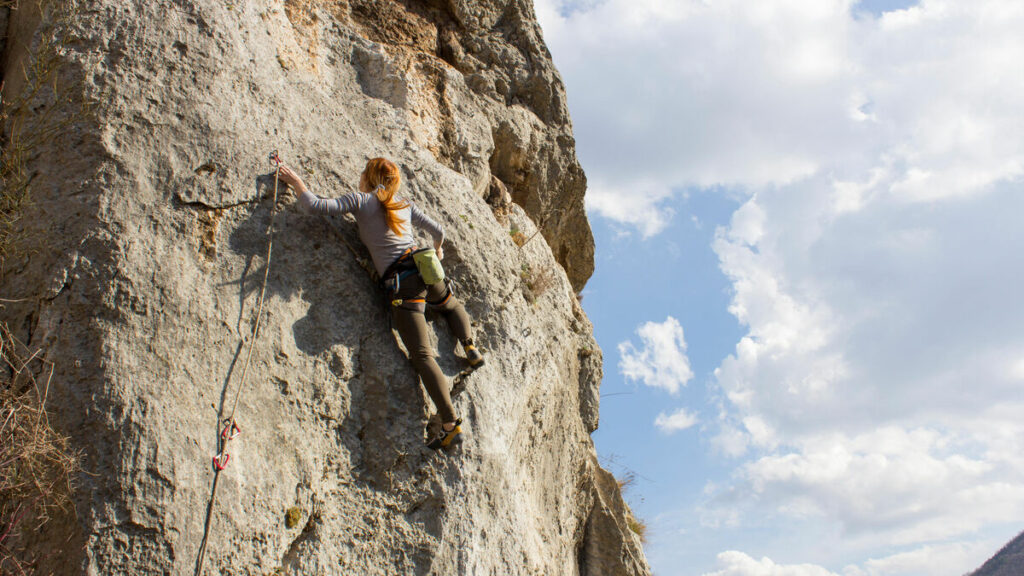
808	265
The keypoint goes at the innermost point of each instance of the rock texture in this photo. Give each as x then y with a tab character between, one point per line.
151	201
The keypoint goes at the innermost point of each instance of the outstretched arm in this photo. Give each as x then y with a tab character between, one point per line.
312	203
436	231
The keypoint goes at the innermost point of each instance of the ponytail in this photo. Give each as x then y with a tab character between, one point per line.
382	175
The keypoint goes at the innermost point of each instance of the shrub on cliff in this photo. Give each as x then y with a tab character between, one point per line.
36	463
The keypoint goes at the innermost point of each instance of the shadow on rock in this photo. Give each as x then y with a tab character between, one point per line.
380	410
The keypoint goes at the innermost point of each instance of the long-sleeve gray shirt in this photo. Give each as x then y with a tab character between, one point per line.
384	245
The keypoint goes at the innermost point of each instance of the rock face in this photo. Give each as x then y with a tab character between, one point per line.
146	239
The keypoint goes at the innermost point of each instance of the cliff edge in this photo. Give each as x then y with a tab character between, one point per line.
142	130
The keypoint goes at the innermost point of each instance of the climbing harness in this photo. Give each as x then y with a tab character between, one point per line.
423	262
402	268
231	429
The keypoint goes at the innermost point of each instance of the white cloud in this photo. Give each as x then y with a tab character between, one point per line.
956	558
876	389
733	563
661	362
875	264
679	420
903	486
638	207
692	93
696	93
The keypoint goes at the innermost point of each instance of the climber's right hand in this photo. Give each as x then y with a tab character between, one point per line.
290	178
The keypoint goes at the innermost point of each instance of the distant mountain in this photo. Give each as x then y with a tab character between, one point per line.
1007	562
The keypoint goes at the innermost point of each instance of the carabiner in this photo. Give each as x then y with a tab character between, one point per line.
220	461
230	430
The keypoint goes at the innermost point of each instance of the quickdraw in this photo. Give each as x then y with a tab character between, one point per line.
230	432
231	429
220	461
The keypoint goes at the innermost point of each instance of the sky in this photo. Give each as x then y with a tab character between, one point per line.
809	259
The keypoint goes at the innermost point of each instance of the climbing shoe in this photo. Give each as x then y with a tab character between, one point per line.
447	438
473	355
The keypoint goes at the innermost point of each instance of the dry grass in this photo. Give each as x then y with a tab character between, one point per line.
37	464
638	526
626	481
536	282
517	236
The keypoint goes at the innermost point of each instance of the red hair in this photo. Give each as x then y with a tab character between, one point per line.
382	177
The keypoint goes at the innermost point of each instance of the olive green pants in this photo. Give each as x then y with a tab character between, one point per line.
412	327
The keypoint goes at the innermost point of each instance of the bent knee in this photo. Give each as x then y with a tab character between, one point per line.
421	354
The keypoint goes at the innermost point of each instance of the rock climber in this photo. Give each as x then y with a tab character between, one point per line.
409	275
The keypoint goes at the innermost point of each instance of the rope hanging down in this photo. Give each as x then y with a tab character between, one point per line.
231	428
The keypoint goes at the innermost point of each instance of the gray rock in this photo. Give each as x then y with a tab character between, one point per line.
151	201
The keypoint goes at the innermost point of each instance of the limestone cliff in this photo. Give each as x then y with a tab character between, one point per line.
143	142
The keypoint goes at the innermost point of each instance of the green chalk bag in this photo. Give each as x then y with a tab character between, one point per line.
429	266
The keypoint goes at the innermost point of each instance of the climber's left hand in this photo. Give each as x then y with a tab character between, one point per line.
289	177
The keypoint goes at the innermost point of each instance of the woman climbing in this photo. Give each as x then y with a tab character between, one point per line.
383	218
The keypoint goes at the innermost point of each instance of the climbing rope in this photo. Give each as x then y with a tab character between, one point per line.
231	428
